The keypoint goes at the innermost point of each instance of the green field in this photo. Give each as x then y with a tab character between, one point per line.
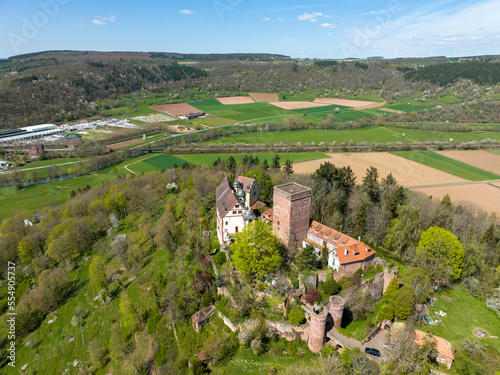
495	151
377	134
454	167
48	163
149	138
409	107
163	161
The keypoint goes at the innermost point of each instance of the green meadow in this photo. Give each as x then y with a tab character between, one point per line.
451	166
376	134
163	161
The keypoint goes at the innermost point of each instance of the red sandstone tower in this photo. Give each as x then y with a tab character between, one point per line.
291	212
317	330
336	310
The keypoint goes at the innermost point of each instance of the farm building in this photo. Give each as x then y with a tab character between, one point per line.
233	206
35	150
200	318
71	140
190	116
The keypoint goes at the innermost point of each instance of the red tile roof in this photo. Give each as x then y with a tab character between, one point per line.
268	214
443	346
349	250
201	315
247	183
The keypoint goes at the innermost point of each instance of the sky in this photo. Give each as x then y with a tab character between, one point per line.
315	29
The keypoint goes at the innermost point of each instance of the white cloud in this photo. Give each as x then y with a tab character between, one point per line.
310	16
100	20
186	11
266	19
281	19
328	25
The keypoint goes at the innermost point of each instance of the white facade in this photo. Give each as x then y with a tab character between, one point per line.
333	260
230	224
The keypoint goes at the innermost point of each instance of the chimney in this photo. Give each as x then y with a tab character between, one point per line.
340	230
359	238
345	253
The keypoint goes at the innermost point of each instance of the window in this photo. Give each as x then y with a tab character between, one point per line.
227	222
239	212
235	229
234	212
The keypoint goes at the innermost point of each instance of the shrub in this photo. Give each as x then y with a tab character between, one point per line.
331	287
297	316
220	258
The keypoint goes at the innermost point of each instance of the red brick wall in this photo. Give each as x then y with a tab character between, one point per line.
317	331
291	218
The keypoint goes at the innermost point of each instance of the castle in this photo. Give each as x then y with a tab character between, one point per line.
294	228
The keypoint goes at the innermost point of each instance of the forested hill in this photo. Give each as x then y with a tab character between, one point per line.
481	72
117	55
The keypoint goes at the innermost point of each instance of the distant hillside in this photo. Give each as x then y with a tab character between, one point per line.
115	56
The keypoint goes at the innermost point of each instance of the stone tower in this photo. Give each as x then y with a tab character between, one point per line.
317	330
336	310
291	212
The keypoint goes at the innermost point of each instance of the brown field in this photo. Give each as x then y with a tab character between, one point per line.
187	62
260	97
236	100
392	110
487	161
348	103
496	183
484	196
114	146
297	105
406	172
175	109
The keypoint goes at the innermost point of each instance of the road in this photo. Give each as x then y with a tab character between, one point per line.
46	166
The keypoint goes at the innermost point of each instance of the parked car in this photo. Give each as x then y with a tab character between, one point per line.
372	351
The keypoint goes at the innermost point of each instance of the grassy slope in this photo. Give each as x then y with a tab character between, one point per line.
371	134
495	151
36	197
464	313
48	163
454	167
167	161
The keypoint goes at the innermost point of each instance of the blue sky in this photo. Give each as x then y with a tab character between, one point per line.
321	29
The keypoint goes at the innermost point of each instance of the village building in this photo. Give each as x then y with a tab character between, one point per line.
445	351
345	254
234	206
200	318
71	140
35	150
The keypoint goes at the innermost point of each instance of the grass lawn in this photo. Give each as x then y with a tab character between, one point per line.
163	161
410	107
247	363
464	314
494	151
377	134
359	329
47	163
454	167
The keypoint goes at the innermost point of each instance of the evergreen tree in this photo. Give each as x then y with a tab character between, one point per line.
288	168
324	257
308	258
231	165
276	162
370	184
265	165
